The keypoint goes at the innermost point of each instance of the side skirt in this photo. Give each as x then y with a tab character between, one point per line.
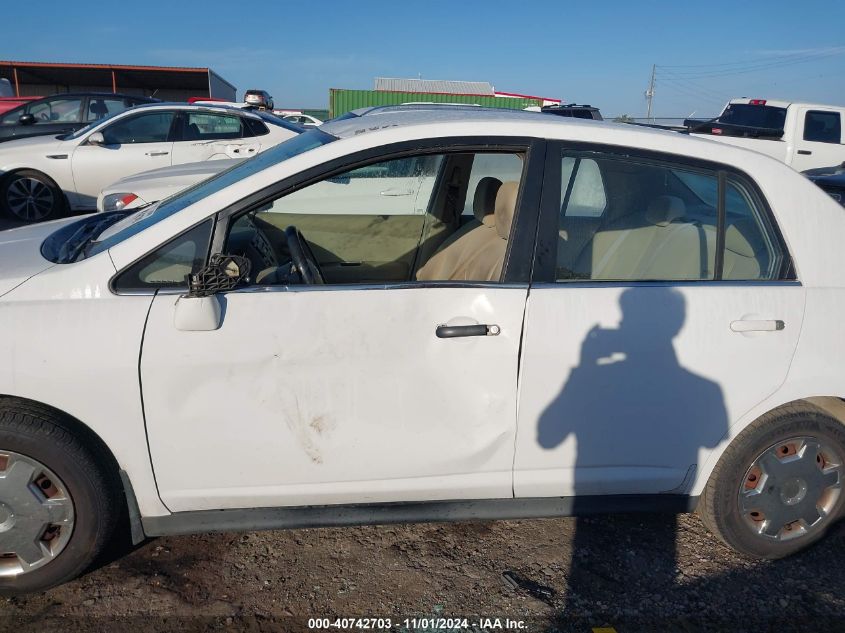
238	520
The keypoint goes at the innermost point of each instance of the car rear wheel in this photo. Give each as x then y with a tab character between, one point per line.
30	196
778	486
58	505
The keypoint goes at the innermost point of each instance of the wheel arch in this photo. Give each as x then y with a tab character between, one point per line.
831	404
101	452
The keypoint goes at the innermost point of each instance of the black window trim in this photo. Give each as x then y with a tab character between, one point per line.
518	258
545	253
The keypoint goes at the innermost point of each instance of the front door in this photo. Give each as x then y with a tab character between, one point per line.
346	392
641	349
133	144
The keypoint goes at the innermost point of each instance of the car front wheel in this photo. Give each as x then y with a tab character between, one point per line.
778	486
58	505
30	196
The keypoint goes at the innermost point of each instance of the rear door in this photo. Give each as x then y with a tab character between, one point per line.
643	342
205	135
819	141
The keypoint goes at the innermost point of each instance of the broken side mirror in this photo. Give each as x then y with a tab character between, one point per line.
201	309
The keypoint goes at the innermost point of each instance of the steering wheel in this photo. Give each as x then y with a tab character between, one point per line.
303	257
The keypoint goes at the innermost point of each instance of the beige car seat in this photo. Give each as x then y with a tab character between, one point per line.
479	253
659	245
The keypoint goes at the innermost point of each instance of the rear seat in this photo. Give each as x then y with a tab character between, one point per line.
660	245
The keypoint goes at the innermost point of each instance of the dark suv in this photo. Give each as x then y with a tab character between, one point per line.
831	179
574	110
64	113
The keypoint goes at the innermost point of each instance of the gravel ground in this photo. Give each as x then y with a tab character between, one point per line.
629	572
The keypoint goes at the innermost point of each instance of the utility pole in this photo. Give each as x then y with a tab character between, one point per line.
649	94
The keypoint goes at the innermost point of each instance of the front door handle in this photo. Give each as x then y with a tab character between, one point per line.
157	153
804	152
396	191
773	325
457	331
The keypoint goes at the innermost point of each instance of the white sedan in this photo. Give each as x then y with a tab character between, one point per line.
43	176
140	190
536	317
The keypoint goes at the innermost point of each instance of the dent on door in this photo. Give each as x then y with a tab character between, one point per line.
333	396
218	150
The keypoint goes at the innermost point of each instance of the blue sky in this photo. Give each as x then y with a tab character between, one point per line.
599	53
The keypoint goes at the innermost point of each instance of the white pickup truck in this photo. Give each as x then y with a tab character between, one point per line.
802	135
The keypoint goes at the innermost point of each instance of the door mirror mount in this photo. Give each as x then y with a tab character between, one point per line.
223	273
97	138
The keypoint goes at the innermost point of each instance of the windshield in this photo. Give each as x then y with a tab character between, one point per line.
146	217
88	128
754	116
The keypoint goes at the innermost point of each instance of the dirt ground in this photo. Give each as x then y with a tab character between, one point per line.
629	572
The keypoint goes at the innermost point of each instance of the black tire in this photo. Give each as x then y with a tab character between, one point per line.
719	505
47	202
41	434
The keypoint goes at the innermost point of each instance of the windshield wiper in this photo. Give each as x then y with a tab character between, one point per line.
83	236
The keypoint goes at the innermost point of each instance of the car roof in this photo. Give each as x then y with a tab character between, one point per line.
101	94
370	119
203	107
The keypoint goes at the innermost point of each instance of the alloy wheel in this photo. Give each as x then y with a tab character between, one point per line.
29	199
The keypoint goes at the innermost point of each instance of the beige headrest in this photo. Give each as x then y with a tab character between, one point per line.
506	207
484	201
663	209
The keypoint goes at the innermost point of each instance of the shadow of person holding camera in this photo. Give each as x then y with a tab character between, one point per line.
638	419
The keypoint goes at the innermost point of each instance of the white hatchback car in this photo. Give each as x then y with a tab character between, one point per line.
42	176
429	314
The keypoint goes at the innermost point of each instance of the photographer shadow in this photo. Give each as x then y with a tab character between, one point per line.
638	419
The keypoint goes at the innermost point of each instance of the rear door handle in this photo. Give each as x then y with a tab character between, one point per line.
458	331
804	152
157	153
757	326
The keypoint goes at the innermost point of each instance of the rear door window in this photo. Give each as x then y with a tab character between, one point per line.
629	219
102	107
823	127
203	126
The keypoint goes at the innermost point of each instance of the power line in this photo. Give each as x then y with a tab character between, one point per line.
752	66
833	50
666	76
